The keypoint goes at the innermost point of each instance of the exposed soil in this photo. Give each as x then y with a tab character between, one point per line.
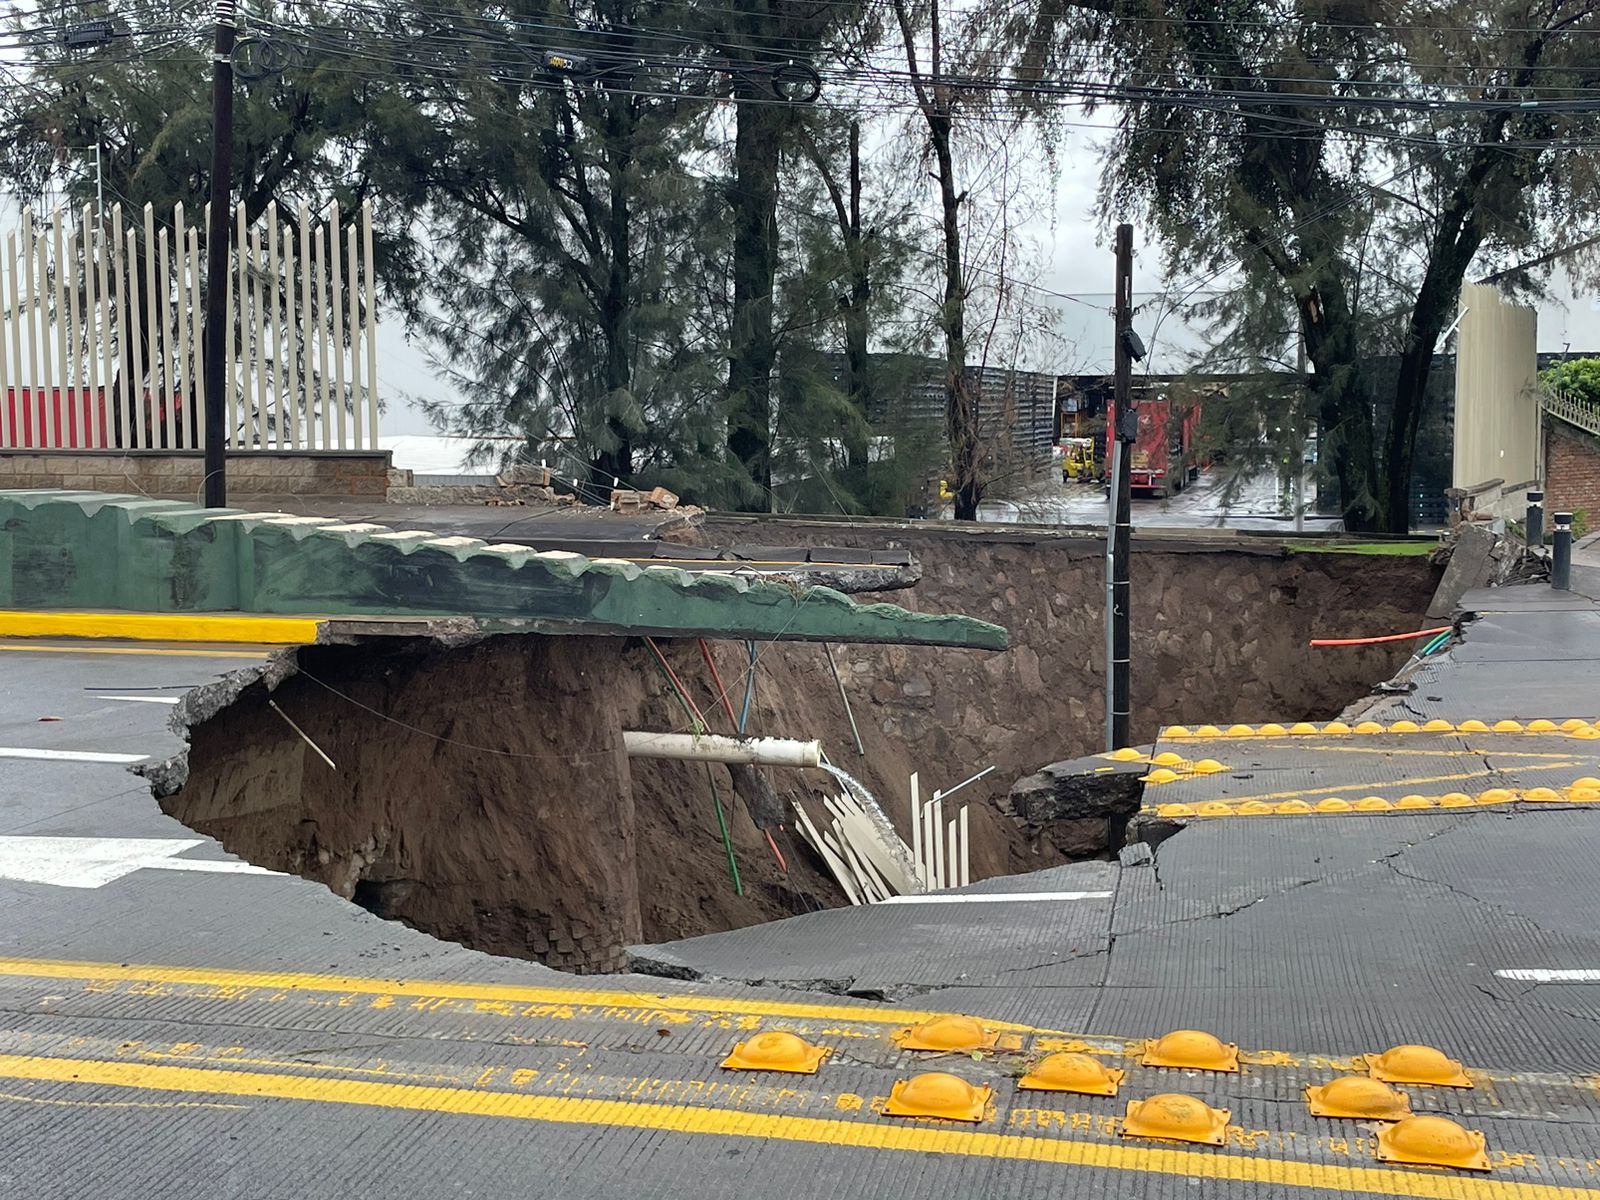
482	794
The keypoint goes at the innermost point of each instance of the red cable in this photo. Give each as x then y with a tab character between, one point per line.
677	683
1368	641
722	692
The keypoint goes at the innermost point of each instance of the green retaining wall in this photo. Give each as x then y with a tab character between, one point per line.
91	550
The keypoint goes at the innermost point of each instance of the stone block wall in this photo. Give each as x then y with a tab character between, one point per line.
1572	473
179	474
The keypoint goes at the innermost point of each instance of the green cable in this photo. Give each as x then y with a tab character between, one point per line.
722	821
722	824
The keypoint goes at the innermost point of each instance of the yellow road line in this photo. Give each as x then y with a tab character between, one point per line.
147	651
1468	752
813	1130
1368	787
504	992
162	627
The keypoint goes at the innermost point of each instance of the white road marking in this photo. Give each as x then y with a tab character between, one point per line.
93	862
996	898
142	699
1550	975
92	756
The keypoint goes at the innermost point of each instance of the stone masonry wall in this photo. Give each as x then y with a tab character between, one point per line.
179	474
1572	473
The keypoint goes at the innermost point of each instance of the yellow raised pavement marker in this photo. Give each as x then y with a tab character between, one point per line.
1497	796
777	1050
1160	775
1207	731
954	1032
1301	728
1417	1064
1336	727
1585	733
1206	766
1240	731
1172	1117
1126	754
1290	807
1334	804
1358	1097
1413	802
1456	800
1176	731
1472	726
1373	804
1572	723
1433	1142
1405	727
1191	1049
1253	808
1438	726
1586	781
1168	759
1219	808
1543	795
1369	727
1173	811
1272	729
935	1094
1507	726
1541	726
1080	1074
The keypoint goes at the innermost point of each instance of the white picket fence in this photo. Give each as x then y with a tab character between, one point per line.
102	332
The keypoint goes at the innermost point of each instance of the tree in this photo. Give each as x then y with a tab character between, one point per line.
1342	168
1578	378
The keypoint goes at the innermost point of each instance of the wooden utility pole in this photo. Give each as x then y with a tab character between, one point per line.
217	384
1119	532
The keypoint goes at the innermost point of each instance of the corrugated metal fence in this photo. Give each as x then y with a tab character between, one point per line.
101	333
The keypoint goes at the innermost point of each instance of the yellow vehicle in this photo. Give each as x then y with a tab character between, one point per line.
1077	459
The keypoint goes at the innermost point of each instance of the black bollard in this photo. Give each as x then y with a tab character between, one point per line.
1535	520
1561	558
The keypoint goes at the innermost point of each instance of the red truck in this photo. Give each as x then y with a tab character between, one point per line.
1164	459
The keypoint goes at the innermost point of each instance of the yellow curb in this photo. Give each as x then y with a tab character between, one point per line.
162	627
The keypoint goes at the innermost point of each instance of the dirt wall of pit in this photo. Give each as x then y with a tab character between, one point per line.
481	792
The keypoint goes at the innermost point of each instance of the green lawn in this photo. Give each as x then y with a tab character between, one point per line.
1394	549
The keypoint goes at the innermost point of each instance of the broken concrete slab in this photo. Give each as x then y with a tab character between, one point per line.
1081	806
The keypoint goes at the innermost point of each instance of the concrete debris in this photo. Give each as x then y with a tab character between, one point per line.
626	500
1081	806
1477	558
524	475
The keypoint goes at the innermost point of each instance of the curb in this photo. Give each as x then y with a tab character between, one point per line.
163	627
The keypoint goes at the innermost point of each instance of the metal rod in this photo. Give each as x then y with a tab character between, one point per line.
304	737
844	699
1111	575
218	285
947	793
1126	432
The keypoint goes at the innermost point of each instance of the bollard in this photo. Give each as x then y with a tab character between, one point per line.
1561	558
1535	530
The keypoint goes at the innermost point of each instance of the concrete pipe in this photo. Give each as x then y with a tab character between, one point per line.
707	747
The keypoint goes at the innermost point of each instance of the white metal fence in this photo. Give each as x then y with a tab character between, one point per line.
102	331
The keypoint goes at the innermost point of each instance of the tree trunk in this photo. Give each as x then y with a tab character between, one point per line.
856	325
1344	405
615	458
960	404
753	347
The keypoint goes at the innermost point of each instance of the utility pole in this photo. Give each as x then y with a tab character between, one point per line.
217	258
1119	531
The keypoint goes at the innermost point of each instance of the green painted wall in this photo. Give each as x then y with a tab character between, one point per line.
91	550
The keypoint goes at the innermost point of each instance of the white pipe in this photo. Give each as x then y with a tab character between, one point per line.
708	747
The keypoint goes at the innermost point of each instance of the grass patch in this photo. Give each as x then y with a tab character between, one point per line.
1379	549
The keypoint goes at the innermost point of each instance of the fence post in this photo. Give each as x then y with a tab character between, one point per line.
1561	559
